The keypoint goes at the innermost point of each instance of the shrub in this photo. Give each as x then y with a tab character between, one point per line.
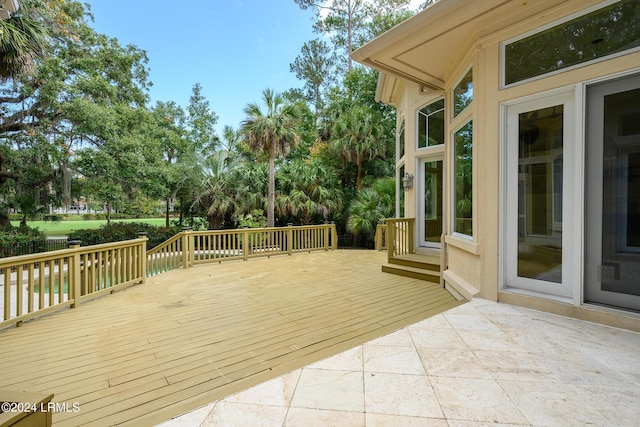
119	231
52	217
22	241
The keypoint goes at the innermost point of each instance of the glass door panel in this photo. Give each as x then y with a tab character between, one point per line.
431	195
540	168
539	247
612	271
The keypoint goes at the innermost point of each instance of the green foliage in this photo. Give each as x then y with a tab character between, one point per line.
308	191
79	126
314	66
371	206
196	223
271	133
255	219
22	241
119	231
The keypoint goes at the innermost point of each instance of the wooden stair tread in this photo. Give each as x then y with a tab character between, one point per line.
414	272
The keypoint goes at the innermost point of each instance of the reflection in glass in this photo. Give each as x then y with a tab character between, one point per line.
540	168
604	32
401	141
433	201
431	124
621	193
400	191
463	170
463	93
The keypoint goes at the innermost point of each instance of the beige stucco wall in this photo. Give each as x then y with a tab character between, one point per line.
476	263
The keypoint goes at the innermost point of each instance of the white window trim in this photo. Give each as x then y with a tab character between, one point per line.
452	196
573	198
560	21
400	143
420	150
456	117
437	153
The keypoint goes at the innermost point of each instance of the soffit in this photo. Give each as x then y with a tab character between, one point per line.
427	46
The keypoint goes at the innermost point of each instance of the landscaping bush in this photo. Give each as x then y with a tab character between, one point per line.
119	231
22	241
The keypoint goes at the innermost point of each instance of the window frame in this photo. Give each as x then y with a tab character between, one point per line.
453	176
454	116
568	290
550	25
417	126
401	138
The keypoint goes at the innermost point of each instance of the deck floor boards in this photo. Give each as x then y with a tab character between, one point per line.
190	337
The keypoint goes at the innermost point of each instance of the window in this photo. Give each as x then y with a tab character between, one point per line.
431	124
400	193
463	93
400	143
600	33
463	179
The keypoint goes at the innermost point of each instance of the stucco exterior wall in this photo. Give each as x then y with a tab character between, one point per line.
477	263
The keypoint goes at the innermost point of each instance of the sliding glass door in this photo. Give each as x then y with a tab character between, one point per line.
612	267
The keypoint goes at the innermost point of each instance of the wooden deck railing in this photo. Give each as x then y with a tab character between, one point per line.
34	285
400	240
381	237
196	247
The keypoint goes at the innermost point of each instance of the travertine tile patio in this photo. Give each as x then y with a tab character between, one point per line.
481	363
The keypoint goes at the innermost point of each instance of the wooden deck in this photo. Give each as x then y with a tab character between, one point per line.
189	337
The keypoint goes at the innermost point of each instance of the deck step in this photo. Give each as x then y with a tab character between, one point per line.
425	262
413	272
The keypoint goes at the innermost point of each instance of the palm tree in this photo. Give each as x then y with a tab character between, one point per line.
22	41
271	133
357	136
307	189
372	205
217	193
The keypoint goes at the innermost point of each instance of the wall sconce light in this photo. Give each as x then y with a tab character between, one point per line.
407	181
7	8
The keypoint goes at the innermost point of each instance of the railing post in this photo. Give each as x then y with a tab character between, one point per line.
290	238
326	235
186	250
410	229
334	237
391	238
380	230
142	258
192	248
74	284
245	244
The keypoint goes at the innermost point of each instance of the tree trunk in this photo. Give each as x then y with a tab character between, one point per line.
108	213
167	212
271	192
5	222
214	222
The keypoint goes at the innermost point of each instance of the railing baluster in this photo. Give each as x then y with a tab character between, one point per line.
30	290
7	292
40	285
52	277
19	275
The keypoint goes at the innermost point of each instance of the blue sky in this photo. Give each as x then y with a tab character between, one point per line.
235	48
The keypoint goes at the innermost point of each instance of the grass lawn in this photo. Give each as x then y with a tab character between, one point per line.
62	228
